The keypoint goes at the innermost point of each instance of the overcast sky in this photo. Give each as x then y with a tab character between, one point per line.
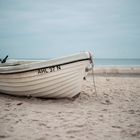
53	28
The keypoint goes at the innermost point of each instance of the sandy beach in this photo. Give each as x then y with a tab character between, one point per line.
112	114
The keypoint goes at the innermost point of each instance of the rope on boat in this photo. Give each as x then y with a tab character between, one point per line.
93	75
94	79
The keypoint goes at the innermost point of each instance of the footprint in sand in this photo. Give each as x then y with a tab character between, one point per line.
2	136
131	111
10	129
115	126
42	138
135	134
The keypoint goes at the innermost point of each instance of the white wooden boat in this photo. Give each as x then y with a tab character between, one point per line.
56	78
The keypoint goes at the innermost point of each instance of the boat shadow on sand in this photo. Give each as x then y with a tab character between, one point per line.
21	99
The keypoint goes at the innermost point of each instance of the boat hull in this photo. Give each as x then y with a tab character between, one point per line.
60	81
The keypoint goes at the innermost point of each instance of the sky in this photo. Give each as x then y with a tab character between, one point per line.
55	28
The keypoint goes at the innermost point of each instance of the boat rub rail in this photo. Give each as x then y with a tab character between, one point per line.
46	69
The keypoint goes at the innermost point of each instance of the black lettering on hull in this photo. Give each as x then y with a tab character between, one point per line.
50	69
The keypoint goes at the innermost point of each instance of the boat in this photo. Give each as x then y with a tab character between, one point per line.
55	78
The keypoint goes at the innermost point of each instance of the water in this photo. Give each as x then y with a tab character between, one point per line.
117	62
109	62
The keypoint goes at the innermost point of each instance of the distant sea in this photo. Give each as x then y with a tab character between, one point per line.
117	62
109	62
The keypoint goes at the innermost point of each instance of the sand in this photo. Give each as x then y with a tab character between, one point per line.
114	114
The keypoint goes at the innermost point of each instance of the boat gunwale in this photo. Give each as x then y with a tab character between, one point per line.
43	67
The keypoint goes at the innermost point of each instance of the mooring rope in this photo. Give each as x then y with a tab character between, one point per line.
93	76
